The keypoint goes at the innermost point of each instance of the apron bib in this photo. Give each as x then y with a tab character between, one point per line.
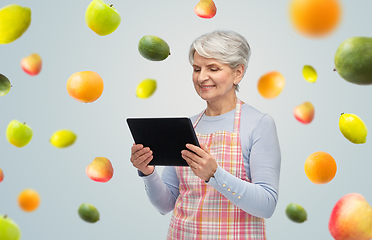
201	212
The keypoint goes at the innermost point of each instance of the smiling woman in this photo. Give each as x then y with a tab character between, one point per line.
232	180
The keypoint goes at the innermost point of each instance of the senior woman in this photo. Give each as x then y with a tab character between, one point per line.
232	180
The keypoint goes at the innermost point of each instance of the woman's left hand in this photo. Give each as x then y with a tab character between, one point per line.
202	163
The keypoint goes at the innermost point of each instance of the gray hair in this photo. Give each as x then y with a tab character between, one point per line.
225	46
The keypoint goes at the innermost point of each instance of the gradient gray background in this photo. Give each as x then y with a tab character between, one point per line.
58	33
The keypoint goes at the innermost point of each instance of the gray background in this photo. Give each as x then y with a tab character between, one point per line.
58	33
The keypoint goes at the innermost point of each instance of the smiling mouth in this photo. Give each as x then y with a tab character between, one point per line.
204	88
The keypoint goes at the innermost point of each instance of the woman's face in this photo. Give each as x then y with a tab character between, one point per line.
214	80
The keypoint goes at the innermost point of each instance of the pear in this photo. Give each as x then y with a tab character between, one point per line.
14	21
351	218
353	60
205	9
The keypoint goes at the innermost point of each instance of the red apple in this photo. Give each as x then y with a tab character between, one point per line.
351	218
1	175
205	9
304	112
31	64
100	170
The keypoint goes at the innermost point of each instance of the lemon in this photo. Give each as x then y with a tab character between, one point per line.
309	73
353	128
14	21
153	48
4	85
88	213
146	88
63	138
296	213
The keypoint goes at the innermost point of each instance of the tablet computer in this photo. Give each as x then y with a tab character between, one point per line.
166	137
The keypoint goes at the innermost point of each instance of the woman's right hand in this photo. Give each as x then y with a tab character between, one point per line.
141	157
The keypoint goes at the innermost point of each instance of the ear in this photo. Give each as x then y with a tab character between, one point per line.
239	72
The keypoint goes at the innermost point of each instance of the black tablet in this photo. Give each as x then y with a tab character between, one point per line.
166	137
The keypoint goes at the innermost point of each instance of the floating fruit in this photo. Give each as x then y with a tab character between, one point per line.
9	230
296	213
351	218
63	138
153	48
31	64
315	18
100	170
320	167
353	128
146	88
102	18
86	86
309	73
4	85
19	134
88	213
304	112
1	175
353	60
271	84
14	21
28	200
205	9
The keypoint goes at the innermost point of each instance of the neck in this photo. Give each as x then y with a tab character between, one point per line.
216	108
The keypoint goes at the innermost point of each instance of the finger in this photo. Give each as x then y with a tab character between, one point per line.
190	155
147	160
141	152
136	147
196	149
190	162
144	157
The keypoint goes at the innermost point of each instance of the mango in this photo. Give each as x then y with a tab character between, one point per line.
353	60
153	48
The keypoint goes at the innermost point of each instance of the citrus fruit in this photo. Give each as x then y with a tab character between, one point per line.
320	167
85	86
4	85
28	200
315	18
153	48
1	175
88	213
63	138
271	84
353	128
309	73
146	88
9	230
296	213
14	21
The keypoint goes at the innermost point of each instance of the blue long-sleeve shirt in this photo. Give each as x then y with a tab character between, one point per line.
261	154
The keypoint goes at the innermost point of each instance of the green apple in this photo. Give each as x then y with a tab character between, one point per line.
19	134
102	18
9	230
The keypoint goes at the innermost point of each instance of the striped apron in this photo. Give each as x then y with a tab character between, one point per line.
201	212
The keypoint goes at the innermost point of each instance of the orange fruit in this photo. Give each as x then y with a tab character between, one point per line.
86	86
28	200
315	18
271	84
320	167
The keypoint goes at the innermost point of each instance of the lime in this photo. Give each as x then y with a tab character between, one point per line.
353	128
4	85
63	138
146	88
153	48
88	213
296	213
309	73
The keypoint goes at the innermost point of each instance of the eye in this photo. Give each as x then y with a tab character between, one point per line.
214	69
196	70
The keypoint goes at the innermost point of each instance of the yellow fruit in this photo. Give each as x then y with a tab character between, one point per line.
320	167
309	74
353	128
146	88
63	138
14	21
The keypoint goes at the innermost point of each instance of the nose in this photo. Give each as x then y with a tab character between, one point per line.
203	75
